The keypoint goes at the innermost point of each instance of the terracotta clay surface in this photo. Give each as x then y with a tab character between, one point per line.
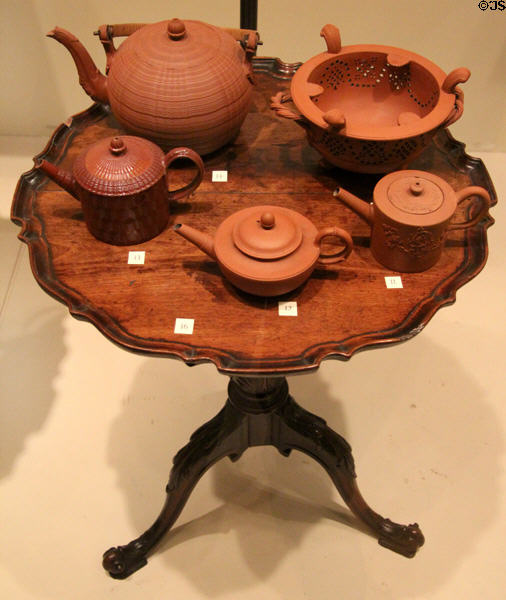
122	184
268	250
179	83
411	215
341	308
370	108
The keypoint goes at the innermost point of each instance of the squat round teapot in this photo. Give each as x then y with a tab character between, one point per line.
410	215
268	250
178	83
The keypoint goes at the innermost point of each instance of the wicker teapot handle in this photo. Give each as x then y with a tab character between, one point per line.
107	33
126	29
119	30
242	35
248	38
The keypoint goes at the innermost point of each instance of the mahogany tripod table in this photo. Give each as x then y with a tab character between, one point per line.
340	309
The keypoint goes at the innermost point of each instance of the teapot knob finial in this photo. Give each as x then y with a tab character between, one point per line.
117	146
416	188
176	29
267	220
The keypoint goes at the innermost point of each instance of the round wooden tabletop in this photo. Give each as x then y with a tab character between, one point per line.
342	308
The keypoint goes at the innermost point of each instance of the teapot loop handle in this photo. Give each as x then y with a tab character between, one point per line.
183	152
472	190
343	236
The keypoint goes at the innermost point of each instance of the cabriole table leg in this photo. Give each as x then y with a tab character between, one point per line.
229	433
219	437
301	430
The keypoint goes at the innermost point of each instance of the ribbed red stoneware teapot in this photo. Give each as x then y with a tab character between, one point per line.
122	184
178	83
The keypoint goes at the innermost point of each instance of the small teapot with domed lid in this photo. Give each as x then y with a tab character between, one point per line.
268	250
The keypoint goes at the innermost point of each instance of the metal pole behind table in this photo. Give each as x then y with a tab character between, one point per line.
249	12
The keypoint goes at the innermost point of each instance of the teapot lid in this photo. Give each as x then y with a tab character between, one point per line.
119	166
415	198
266	232
192	50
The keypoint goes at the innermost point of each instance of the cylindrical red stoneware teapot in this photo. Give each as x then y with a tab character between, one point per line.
411	213
122	185
268	250
178	83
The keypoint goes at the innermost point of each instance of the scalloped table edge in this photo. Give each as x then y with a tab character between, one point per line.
228	363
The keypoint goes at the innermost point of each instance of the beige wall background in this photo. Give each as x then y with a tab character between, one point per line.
39	86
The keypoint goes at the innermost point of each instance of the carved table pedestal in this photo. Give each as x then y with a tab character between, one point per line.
259	412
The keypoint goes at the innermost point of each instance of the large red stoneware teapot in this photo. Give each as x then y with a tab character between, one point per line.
178	83
268	250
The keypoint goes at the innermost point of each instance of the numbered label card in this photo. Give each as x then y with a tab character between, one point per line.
287	309
393	282
184	326
136	257
220	176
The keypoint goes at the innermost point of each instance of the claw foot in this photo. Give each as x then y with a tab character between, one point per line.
122	561
404	539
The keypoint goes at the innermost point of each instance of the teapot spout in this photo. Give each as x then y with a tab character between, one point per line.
63	178
361	207
90	78
201	240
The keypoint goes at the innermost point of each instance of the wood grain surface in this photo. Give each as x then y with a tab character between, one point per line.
342	308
